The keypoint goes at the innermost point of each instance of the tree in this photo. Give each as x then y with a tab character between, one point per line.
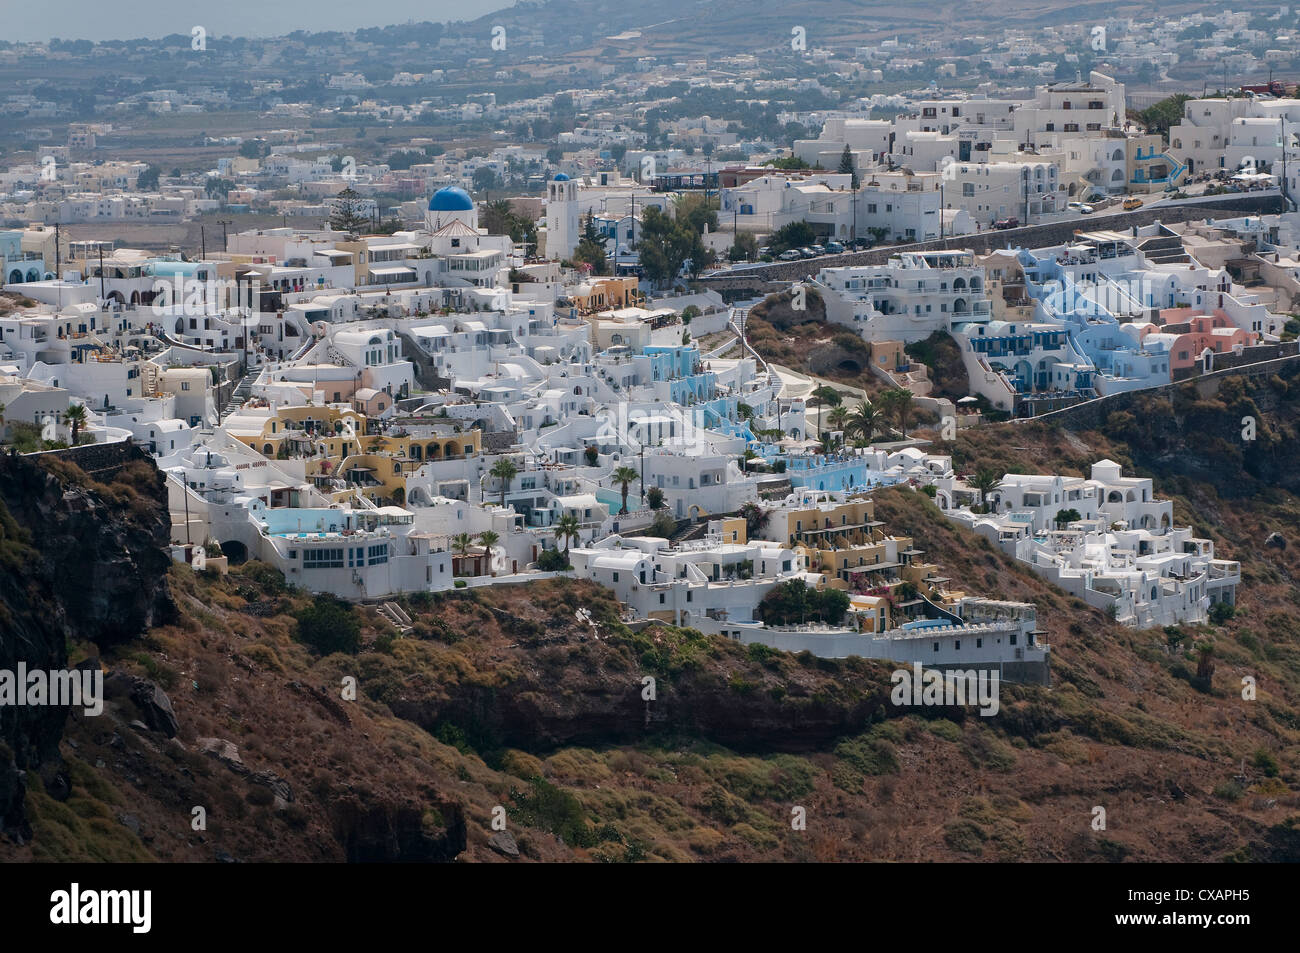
787	162
796	602
745	248
461	543
552	560
505	471
591	248
489	539
983	481
755	518
347	213
1065	517
664	245
838	416
846	164
695	211
1158	117
567	528
864	422
217	188
655	497
76	418
664	526
624	477
593	456
791	235
485	180
329	625
147	181
498	216
897	403
821	396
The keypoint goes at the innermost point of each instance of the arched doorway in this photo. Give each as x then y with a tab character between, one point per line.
235	552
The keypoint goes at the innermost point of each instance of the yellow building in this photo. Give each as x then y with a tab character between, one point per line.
603	294
340	456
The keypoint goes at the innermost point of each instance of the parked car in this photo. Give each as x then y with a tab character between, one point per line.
807	253
1131	204
790	255
834	248
818	249
1007	223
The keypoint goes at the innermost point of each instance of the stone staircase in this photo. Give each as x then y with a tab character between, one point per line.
239	396
396	615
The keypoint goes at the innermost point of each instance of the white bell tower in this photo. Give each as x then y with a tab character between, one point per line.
563	229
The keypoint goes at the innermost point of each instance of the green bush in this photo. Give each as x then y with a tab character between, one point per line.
794	601
1266	763
329	625
552	560
1221	612
664	525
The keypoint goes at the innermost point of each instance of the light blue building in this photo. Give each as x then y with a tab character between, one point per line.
17	266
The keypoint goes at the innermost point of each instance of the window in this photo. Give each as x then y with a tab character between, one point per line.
936	646
378	554
979	643
1014	636
185	385
322	559
616	577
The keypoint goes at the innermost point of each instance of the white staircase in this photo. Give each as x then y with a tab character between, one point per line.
396	615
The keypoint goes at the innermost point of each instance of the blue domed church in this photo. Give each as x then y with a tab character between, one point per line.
451	204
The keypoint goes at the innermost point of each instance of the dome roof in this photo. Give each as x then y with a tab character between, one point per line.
451	199
560	177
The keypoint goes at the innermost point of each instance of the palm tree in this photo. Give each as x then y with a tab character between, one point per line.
903	407
864	421
461	543
566	528
838	417
624	476
76	418
505	471
489	539
887	401
983	481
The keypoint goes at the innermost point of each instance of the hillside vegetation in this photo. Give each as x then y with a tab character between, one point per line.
504	698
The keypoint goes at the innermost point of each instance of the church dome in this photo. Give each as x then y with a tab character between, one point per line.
560	177
451	199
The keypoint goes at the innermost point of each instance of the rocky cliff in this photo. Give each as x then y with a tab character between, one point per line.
84	561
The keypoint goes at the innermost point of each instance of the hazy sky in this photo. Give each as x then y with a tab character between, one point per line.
126	19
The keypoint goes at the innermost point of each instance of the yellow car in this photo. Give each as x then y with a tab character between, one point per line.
1131	204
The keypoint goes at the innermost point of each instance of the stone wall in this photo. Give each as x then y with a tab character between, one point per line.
99	459
777	276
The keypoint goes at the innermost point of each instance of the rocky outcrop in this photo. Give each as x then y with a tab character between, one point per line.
80	561
149	701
